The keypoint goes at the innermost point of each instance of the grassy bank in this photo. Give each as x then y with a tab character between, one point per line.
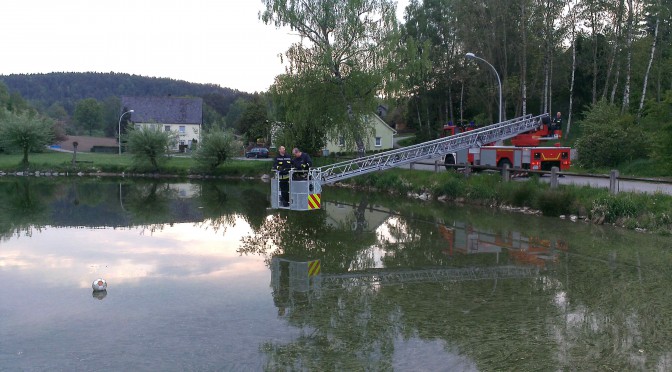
629	210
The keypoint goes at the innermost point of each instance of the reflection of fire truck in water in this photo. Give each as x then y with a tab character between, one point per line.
524	153
464	240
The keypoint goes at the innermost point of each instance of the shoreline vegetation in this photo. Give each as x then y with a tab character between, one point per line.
635	211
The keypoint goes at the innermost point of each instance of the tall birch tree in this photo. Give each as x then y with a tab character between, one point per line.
648	66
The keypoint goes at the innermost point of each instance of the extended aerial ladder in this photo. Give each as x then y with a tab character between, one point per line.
305	194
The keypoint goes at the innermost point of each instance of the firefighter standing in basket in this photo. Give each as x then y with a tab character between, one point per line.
557	123
302	162
282	164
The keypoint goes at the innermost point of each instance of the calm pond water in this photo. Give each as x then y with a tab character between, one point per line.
202	276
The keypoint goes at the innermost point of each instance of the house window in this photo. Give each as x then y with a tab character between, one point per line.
341	141
182	129
379	142
166	128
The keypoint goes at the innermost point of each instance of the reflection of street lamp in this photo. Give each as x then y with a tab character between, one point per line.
473	56
122	115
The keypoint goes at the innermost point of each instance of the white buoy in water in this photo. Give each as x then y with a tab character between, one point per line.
99	285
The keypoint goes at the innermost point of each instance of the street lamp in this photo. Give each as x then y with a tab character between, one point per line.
122	115
499	82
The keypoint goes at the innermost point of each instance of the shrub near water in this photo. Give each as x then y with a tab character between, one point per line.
484	187
451	186
385	181
615	207
521	194
554	203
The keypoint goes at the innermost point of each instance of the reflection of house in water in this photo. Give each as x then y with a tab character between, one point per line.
464	239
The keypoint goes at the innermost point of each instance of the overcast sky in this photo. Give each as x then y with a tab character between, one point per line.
201	41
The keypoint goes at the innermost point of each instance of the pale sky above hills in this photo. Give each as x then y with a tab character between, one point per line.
201	41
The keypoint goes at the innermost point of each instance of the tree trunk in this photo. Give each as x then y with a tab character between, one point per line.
617	37
628	62
550	83
462	103
523	62
571	83
545	89
593	17
450	104
614	87
648	69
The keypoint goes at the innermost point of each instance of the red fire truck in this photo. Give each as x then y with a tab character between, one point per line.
524	152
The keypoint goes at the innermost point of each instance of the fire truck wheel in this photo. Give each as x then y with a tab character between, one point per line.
501	164
450	160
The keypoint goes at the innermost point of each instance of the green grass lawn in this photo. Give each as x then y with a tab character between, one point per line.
54	160
94	162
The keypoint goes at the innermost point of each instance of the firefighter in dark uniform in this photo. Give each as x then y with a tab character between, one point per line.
283	164
557	123
302	162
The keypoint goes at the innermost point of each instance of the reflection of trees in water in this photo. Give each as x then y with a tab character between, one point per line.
617	304
307	235
412	243
222	204
214	201
602	305
24	207
148	203
33	202
254	204
346	330
92	194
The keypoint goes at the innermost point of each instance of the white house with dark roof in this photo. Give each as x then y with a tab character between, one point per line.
182	116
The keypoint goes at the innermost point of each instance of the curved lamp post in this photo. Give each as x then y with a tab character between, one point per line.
499	82
122	115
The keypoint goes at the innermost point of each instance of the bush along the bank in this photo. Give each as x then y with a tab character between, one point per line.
644	212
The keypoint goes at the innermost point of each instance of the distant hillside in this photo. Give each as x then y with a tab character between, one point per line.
66	88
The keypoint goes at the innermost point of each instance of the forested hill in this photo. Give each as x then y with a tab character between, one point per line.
66	88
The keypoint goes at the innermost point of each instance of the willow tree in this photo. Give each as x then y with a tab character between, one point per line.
344	44
24	132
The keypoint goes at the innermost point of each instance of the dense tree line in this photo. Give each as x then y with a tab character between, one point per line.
67	88
550	55
65	96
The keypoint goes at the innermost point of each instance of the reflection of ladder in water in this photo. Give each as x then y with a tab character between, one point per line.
301	277
390	277
426	150
296	282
